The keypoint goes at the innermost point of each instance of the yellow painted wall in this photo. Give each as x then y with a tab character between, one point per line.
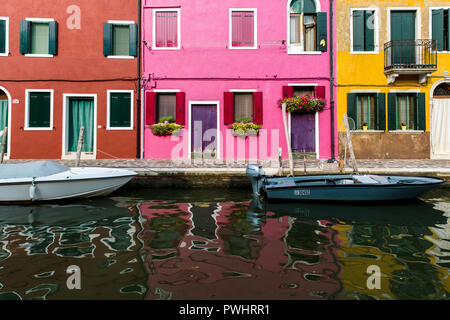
366	71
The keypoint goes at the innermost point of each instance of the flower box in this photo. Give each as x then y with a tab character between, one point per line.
301	105
245	129
166	129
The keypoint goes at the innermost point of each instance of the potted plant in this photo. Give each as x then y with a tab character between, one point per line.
305	104
365	126
244	128
166	127
403	126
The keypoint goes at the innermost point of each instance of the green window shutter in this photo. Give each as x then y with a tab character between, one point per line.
133	40
120	110
39	110
392	111
2	36
420	112
53	38
322	32
358	30
107	39
369	32
25	28
438	28
309	7
380	112
351	106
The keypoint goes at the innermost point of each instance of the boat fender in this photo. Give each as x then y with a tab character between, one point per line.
33	190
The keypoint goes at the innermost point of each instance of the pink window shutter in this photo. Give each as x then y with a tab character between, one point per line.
228	108
150	108
288	92
166	29
242	29
319	92
258	107
181	107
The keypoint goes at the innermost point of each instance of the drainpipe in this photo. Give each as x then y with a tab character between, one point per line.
138	90
333	156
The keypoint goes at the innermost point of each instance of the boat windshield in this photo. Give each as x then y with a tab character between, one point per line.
31	169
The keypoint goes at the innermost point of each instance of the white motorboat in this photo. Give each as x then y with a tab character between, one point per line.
49	180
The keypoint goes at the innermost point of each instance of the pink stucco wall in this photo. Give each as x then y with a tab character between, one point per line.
204	68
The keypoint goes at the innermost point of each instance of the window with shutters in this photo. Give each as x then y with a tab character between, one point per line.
120	39
440	26
301	91
407	111
4	36
365	109
38	37
166	29
39	110
307	29
120	110
243	29
364	31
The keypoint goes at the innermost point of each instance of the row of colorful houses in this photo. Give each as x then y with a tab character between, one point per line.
170	79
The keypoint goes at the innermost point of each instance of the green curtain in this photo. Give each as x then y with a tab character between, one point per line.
3	116
81	113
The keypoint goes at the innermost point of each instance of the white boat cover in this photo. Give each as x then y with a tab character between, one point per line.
31	169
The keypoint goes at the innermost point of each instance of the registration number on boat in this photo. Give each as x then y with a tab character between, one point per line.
303	192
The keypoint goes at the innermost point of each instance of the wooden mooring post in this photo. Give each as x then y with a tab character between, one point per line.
80	146
3	146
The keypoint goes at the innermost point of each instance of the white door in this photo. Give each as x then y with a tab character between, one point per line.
440	129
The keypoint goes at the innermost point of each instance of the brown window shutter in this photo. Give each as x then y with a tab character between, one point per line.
181	107
150	108
258	108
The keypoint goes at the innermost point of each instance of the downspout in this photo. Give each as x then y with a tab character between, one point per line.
333	156
138	91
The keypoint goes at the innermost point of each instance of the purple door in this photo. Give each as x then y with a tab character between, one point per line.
204	130
303	133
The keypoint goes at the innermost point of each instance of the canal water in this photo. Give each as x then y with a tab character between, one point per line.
221	245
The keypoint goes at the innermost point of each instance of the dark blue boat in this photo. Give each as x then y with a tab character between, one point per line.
349	187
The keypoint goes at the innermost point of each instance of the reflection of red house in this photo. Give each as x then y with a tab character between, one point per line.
247	258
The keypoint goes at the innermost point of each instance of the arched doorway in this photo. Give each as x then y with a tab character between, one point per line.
5	102
440	120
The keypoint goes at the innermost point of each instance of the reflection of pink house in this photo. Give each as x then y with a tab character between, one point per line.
235	258
235	62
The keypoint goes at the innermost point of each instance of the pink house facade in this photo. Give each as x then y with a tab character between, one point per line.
207	65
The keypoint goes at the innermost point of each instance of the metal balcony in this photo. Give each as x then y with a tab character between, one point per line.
410	57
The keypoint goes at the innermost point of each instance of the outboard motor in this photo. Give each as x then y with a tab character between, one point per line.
255	173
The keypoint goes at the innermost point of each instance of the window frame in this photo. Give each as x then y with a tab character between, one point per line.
430	26
403	92
6	53
178	11
165	91
40	20
376	31
255	29
108	110
27	110
243	91
295	48
120	22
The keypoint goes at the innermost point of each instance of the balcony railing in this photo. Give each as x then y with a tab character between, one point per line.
410	55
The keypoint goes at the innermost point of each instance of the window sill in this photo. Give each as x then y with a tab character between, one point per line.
32	55
119	128
165	48
367	131
242	48
37	129
406	131
84	156
305	52
4	54
121	57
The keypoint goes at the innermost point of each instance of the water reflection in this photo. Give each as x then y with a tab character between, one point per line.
207	245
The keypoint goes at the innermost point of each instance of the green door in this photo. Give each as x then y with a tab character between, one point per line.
403	31
81	114
3	119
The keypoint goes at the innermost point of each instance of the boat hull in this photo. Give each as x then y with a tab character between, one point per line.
75	183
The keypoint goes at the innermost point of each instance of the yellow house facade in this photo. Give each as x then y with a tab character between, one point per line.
393	78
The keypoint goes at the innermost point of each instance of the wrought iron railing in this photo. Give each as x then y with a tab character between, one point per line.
410	54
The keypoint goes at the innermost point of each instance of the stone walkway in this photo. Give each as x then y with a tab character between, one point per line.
220	166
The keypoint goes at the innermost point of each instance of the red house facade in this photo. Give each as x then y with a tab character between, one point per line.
64	66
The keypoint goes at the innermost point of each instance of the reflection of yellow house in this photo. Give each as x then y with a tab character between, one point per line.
393	77
355	260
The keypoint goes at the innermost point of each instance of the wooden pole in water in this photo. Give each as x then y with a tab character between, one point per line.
350	145
80	146
288	140
4	136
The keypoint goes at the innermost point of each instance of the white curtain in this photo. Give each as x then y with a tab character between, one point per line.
440	122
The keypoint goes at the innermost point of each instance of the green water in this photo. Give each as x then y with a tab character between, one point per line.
216	244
